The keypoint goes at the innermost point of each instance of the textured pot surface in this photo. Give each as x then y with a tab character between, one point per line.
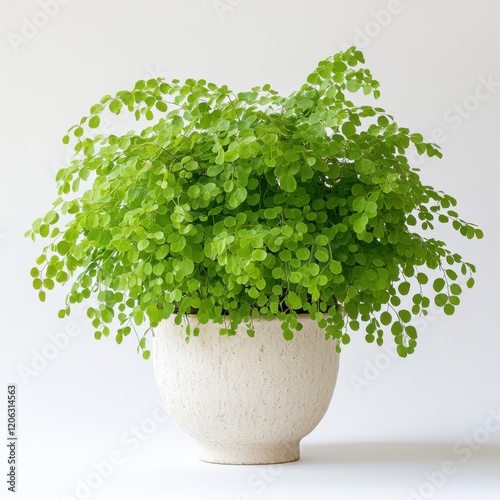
246	400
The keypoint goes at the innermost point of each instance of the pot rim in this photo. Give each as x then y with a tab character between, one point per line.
263	318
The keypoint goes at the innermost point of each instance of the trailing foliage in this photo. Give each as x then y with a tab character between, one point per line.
234	206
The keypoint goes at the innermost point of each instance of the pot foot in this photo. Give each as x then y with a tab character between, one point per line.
248	454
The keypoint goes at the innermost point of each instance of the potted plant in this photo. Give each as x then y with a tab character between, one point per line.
293	220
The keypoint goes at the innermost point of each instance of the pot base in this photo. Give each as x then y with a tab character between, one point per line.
249	454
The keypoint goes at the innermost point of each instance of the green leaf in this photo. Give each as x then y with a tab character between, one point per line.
386	318
440	299
270	139
366	167
397	328
61	277
161	106
238	197
335	267
259	254
449	309
438	284
303	254
138	317
422	278
285	255
382	121
219	160
451	274
231	155
94	122
293	300
141	245
405	316
321	240
353	86
314	79
107	315
154	313
322	255
411	331
416	138
48	283
288	183
214	170
223	125
229	186
348	129
360	225
245	151
194	191
402	351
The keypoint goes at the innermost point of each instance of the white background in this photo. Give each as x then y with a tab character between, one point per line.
393	423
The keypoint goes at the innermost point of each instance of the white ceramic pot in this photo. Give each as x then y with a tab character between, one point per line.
246	400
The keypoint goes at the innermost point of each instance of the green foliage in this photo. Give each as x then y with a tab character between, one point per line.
235	206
